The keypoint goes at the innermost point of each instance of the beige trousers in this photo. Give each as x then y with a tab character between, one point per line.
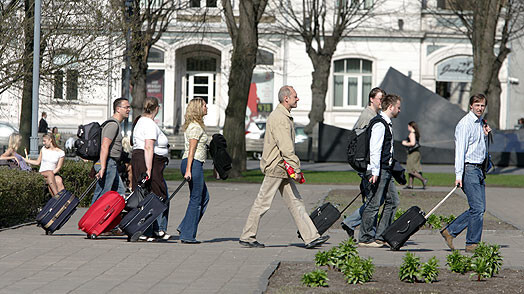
294	203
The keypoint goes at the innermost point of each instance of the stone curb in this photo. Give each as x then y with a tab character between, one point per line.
264	278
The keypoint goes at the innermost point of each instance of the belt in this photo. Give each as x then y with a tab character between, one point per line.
479	165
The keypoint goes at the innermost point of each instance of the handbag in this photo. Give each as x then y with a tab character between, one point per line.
487	164
414	147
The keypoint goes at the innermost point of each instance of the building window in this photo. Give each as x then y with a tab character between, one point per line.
155	56
59	85
72	85
201	64
360	4
352	80
194	3
198	3
264	57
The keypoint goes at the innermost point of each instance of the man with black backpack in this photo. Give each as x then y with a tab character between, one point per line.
375	95
110	151
380	134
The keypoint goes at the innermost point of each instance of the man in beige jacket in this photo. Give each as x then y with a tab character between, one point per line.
279	145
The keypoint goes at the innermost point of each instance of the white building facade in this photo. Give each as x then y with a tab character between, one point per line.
405	35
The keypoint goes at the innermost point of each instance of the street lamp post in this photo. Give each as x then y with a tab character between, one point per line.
33	146
127	73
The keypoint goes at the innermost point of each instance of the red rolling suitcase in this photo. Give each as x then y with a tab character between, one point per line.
104	215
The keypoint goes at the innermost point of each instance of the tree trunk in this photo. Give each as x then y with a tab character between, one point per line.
485	63
242	64
139	52
319	86
27	97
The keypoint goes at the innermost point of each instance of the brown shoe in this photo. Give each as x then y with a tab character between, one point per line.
471	248
448	238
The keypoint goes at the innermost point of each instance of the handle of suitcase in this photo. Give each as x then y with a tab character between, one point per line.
440	203
88	189
347	206
176	191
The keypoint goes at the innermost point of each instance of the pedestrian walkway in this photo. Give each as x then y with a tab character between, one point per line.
67	262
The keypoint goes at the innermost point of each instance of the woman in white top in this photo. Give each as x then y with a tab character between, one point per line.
192	169
14	143
150	156
51	159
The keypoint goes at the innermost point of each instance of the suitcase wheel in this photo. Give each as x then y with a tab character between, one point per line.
134	237
47	232
91	236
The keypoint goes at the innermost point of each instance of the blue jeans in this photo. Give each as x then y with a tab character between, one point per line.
473	185
198	199
355	219
111	180
386	193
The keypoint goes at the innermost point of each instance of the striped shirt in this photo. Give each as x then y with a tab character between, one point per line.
470	142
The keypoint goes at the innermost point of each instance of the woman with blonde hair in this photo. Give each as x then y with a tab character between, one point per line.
150	156
195	139
14	143
51	159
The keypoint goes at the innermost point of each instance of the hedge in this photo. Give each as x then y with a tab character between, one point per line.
22	194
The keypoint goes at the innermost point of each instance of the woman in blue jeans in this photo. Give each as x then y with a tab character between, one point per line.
192	169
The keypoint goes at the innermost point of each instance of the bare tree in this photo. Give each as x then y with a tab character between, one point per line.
490	25
147	21
243	31
70	39
321	25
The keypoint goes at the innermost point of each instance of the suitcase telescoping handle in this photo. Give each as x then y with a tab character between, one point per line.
347	206
88	189
440	203
176	190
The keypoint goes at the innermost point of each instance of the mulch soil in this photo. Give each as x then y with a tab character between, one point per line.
287	280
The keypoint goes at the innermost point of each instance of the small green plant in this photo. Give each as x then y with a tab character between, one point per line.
458	263
316	278
429	270
434	222
399	212
358	270
322	258
491	253
409	269
447	219
481	268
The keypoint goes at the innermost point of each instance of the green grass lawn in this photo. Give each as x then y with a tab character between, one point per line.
350	177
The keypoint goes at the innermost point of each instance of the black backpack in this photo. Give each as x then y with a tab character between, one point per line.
90	140
358	147
221	159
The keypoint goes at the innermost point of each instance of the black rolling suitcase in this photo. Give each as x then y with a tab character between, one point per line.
58	210
139	219
326	215
408	224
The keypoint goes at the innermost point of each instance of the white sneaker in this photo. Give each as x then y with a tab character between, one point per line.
162	235
370	244
146	238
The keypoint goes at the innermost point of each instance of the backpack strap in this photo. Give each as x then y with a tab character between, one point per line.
116	135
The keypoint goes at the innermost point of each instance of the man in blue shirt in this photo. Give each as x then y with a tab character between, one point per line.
470	151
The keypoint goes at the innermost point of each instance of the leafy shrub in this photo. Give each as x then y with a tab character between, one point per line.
358	270
481	268
434	222
75	175
409	269
447	219
491	253
323	258
316	278
429	270
399	213
21	195
458	263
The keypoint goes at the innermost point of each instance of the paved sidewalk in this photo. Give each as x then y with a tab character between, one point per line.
66	262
